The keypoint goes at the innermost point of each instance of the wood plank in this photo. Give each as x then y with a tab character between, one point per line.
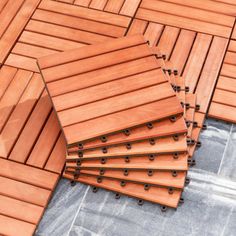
86	13
143	148
108	90
210	72
21	173
136	163
167	108
188	12
65	32
16	27
160	129
31	50
20	210
10	226
115	104
57	158
208	5
232	46
45	142
31	130
167	40
234	33
79	23
228	70
20	115
114	6
224	97
130	7
187	23
155	194
98	4
153	33
84	3
182	49
6	75
230	58
222	112
137	27
196	60
164	179
48	42
22	62
103	75
13	94
3	4
93	50
8	13
24	192
228	84
94	63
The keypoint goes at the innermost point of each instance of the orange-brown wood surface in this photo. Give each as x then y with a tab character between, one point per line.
154	194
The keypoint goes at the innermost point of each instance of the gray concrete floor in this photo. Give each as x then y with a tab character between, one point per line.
209	208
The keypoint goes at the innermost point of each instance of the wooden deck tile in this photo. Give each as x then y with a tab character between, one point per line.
24	194
129	93
160	129
13	17
154	194
157	179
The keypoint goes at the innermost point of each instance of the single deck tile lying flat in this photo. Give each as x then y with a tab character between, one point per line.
75	107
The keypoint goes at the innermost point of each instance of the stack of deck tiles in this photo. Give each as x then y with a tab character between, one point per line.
126	118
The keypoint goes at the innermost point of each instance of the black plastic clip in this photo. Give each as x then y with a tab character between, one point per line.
187	180
126	132
72	183
95	189
197	107
78	162
80	154
163	208
117	196
176	137
104	150
126	172
152	141
102	172
190	142
80	146
174	173
175	72
140	202
127	159
176	155
173	118
103	139
147	187
151	157
170	190
204	127
103	160
99	179
128	146
122	183
149	125
199	144
150	173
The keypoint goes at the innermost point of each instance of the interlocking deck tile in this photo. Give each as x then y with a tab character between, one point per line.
223	104
154	194
27	133
13	17
75	108
24	194
189	15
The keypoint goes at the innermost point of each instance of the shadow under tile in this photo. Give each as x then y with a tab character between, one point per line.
214	139
228	164
61	210
205	212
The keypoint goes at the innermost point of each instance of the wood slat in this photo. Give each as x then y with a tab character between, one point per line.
98	4
228	84
137	27
130	7
153	33
196	60
210	72
86	13
224	97
167	108
221	111
160	129
11	226
187	23
158	179
20	115
155	194
114	5
79	23
15	28
84	3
